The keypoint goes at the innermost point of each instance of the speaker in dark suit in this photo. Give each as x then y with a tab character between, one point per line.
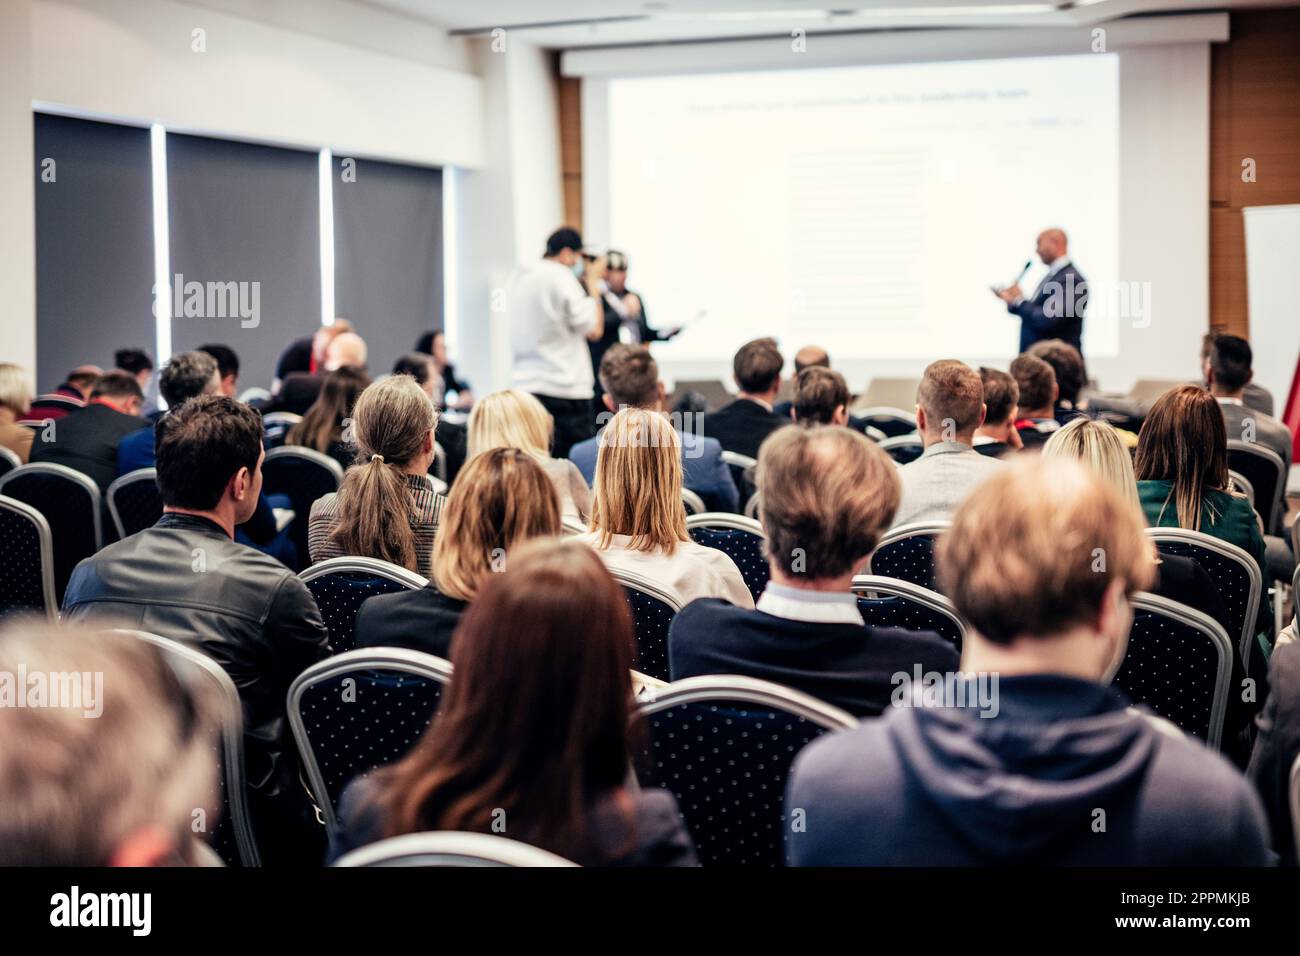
1056	308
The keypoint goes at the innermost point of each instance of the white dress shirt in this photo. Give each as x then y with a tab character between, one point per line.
812	607
691	571
550	317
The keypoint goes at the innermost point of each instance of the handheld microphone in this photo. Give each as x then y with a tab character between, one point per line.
1028	264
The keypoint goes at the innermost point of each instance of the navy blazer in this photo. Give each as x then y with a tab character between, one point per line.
1056	311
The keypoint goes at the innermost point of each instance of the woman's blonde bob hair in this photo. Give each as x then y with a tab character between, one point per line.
15	389
1097	445
638	488
510	419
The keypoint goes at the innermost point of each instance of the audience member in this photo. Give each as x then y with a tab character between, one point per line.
949	407
15	404
533	739
186	578
821	397
120	788
137	363
1252	395
1228	372
300	390
455	390
1277	747
629	378
638	523
87	439
227	365
307	354
185	375
1071	375
1024	757
998	434
75	388
515	419
741	426
505	499
1036	383
829	493
810	356
324	427
453	437
386	508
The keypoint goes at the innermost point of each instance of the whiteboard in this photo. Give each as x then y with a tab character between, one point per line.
1272	263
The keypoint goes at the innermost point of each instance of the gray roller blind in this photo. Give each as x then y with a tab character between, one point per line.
245	226
94	244
388	254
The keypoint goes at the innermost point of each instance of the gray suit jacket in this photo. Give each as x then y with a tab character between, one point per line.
937	482
1268	431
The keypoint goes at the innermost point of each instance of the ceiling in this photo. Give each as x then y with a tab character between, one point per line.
565	24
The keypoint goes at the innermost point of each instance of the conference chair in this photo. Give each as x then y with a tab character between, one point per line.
440	463
723	746
254	395
570	526
653	610
360	710
743	469
303	474
276	425
712	390
70	503
339	585
887	602
1234	573
903	448
1178	662
741	539
889	422
751	506
231	834
8	461
1267	475
907	553
450	848
1242	484
134	501
693	503
27	566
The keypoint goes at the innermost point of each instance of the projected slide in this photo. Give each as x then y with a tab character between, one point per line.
866	209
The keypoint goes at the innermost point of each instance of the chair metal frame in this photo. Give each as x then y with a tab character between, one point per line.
407	661
1270	515
1243	485
232	738
693	503
725	519
46	547
254	394
85	481
1155	604
450	848
746	690
646	586
901	441
10	458
868	585
751	506
360	565
440	462
281	418
130	477
1210	543
887	412
570	526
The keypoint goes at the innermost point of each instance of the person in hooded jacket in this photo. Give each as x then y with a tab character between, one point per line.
1025	758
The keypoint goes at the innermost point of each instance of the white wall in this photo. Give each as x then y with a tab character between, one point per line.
17	190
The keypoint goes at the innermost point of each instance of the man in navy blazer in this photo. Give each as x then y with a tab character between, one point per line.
1056	309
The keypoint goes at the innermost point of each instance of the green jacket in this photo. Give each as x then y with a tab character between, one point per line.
1223	516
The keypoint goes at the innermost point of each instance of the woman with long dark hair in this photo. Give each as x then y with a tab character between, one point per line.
533	740
322	425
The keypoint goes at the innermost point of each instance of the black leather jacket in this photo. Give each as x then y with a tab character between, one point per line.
185	579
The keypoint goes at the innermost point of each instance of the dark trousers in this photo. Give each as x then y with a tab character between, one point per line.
574	422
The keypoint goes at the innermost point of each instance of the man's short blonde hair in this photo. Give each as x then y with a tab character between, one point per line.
828	494
1033	549
951	391
15	389
638	488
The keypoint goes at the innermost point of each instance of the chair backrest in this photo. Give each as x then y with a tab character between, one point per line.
653	610
1242	484
231	836
440	462
134	501
70	502
1234	572
723	745
751	506
360	710
887	602
339	585
254	395
26	560
712	390
276	425
1179	663
907	553
303	474
741	539
1266	473
693	503
743	469
8	461
442	848
890	422
903	448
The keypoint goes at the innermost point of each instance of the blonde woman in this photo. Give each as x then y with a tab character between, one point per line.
385	507
515	419
638	523
505	498
16	396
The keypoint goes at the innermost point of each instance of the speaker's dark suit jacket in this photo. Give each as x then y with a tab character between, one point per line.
1055	311
742	426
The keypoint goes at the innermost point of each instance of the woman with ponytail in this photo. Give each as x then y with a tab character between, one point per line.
385	507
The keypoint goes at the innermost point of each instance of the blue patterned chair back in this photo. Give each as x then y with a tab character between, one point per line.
339	585
891	422
275	426
304	475
885	602
903	448
358	711
723	746
26	561
1178	663
907	553
135	502
652	616
70	504
1234	573
741	539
